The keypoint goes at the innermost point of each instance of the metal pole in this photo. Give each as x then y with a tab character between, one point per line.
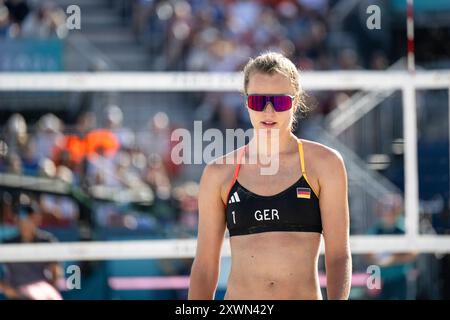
410	160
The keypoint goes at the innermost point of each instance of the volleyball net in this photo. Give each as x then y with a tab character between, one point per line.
362	81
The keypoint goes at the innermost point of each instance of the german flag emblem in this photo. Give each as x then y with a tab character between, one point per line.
304	193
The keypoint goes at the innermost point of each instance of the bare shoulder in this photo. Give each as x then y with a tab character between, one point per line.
325	159
219	172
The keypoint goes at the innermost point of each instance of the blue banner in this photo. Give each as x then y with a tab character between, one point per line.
422	5
31	55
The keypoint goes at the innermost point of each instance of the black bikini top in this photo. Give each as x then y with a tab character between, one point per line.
293	209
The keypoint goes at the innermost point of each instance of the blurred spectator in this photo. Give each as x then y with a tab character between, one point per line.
348	60
101	170
38	19
7	212
46	21
14	164
30	280
242	15
49	131
86	121
180	29
58	210
114	122
157	140
223	111
70	149
231	114
4	19
141	11
3	154
379	61
16	135
17	11
186	196
126	173
396	268
30	161
157	177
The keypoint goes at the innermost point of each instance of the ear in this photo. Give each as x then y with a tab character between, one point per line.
296	103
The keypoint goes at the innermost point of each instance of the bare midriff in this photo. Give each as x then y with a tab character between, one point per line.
274	265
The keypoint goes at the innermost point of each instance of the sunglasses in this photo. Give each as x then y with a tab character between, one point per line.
280	102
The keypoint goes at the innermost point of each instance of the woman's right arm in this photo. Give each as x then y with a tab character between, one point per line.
211	229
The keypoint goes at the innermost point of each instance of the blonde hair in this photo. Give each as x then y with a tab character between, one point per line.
273	62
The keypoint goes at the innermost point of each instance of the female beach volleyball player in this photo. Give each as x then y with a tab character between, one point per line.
275	222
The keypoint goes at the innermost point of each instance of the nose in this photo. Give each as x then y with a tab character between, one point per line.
269	108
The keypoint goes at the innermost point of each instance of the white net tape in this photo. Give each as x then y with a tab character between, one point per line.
185	248
223	81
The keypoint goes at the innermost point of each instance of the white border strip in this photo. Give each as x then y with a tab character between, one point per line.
213	82
185	248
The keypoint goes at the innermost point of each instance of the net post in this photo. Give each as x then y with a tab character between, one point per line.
410	160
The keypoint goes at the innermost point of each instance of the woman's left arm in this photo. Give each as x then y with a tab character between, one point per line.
335	222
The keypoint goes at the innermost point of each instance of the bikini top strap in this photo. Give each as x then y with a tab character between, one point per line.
236	170
302	157
238	166
302	164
